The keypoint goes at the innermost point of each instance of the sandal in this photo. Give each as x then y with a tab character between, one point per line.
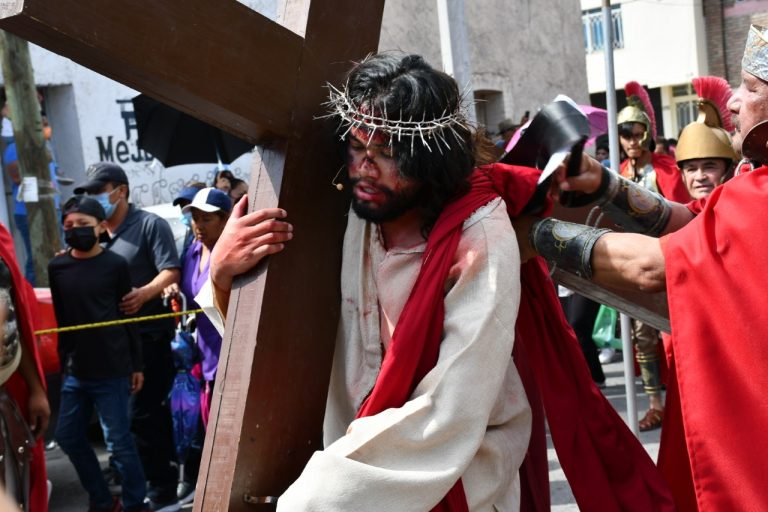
652	420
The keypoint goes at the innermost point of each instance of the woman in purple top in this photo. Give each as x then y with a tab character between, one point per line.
210	210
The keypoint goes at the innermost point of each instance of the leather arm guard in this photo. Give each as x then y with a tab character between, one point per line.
566	244
579	199
633	207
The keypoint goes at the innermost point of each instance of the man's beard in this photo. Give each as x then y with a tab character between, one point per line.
396	204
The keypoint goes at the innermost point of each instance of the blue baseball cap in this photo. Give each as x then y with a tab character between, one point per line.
209	200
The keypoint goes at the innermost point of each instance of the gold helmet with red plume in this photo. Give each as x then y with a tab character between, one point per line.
707	137
638	110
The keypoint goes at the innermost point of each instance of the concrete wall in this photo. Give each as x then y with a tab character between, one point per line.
92	119
107	131
530	51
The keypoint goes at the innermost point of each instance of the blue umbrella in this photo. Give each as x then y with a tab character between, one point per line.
184	397
185	411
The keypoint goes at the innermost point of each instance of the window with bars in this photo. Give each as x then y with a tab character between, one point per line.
686	105
592	25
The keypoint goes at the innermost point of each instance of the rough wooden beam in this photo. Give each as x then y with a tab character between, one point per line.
269	400
218	61
650	308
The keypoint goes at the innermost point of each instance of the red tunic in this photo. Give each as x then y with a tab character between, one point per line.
24	299
668	177
713	447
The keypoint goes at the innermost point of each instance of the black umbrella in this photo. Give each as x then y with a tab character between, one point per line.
176	138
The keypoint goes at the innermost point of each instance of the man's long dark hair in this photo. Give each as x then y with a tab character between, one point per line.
405	88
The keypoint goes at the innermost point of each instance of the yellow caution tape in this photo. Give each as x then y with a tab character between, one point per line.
117	322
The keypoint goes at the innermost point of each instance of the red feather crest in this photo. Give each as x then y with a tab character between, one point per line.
717	91
639	92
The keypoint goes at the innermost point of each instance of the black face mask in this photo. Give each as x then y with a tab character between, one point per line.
81	238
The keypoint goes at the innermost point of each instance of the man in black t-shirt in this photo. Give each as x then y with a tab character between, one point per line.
101	366
146	242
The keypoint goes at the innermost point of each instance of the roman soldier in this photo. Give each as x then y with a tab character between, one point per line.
704	152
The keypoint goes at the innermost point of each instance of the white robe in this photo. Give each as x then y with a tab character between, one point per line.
469	416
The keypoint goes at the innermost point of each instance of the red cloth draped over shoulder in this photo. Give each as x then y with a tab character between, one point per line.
607	467
715	272
24	299
668	177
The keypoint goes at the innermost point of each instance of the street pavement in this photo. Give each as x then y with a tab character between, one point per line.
562	497
68	496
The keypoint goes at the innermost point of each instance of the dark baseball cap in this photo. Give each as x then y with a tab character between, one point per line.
209	200
99	174
83	204
186	195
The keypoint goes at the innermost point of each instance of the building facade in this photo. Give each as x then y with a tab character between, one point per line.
664	44
659	44
522	53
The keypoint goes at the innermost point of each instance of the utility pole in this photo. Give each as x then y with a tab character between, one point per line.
454	48
22	99
613	145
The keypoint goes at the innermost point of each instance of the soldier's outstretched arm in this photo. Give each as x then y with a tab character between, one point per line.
629	260
631	206
620	260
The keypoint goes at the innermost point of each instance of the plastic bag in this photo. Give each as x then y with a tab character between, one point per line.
605	332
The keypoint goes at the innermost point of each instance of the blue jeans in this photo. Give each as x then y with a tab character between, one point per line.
110	397
22	224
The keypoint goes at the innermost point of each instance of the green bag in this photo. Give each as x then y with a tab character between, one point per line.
606	330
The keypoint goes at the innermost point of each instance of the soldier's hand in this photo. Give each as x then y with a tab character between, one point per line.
588	180
246	239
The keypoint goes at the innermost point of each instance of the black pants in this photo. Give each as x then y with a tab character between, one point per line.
581	313
194	456
151	422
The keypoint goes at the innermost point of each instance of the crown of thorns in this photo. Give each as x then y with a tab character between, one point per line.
354	116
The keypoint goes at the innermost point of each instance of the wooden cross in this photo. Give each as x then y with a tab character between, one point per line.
228	65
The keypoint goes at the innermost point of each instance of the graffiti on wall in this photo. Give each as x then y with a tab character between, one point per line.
150	182
126	150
